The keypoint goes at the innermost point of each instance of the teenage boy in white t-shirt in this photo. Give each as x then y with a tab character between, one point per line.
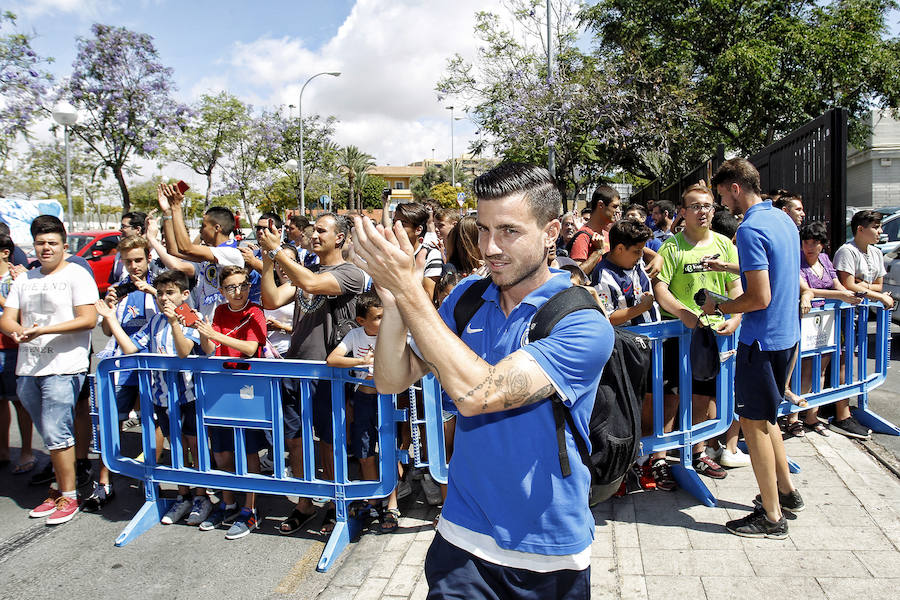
50	313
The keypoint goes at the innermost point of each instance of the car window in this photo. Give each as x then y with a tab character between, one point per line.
77	242
892	230
106	245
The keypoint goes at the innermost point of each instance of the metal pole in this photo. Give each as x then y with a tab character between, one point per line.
300	111
452	152
68	179
551	157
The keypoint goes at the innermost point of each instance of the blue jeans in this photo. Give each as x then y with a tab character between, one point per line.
50	400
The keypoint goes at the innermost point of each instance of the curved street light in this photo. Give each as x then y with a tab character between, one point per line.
300	107
65	114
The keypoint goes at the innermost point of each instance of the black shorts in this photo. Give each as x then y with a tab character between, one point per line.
671	361
760	377
321	406
188	419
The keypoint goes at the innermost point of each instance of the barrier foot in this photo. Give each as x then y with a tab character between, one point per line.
876	423
145	518
690	482
792	466
337	541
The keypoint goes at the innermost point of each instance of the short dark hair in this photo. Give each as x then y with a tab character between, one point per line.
815	230
538	185
299	221
365	301
786	198
724	223
664	206
47	224
223	217
696	187
864	218
137	219
635	206
740	171
172	277
603	194
341	225
446	214
628	233
4	228
586	209
411	213
6	243
276	220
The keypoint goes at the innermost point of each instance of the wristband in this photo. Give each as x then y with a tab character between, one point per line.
167	217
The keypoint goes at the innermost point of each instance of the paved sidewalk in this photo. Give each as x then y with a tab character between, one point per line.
846	544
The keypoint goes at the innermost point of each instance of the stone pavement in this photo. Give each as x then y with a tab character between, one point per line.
846	544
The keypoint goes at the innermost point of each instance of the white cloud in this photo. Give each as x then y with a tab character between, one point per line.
85	8
390	54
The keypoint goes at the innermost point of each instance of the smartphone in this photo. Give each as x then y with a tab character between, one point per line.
860	293
182	187
187	314
123	289
385	192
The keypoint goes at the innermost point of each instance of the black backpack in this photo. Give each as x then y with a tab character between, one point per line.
615	425
575	237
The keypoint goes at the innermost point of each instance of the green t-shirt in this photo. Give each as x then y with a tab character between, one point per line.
685	275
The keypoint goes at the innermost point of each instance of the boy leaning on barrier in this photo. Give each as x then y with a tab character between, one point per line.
685	271
50	313
627	297
357	349
133	306
238	329
165	334
769	251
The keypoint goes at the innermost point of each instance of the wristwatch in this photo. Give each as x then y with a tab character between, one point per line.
273	253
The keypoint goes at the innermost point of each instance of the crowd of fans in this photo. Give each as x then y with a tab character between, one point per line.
293	292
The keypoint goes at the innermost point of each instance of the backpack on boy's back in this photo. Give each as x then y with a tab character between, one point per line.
615	425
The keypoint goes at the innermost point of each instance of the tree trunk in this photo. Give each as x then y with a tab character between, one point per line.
123	187
208	190
563	191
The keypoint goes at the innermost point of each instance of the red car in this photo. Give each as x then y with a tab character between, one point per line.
98	248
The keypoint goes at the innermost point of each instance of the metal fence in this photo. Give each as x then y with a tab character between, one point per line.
812	161
657	190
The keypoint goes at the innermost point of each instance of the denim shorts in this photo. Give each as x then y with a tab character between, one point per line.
8	359
50	400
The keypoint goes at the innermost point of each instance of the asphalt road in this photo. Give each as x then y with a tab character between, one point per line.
885	401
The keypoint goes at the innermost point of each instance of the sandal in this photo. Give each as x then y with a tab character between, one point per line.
819	428
389	521
795	429
295	522
25	467
363	512
330	521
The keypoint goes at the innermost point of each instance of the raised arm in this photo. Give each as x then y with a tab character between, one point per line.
186	248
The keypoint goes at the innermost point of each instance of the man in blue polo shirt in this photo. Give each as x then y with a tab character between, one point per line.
769	255
512	526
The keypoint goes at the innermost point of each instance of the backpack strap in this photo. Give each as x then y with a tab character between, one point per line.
468	304
559	305
571	243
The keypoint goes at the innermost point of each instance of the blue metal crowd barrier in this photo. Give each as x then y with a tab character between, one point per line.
247	395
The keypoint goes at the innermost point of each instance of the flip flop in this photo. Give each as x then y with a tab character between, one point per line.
25	467
330	521
295	522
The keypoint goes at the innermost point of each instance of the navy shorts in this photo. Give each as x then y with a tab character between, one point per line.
188	419
221	439
8	360
760	377
454	573
671	372
321	406
364	433
126	395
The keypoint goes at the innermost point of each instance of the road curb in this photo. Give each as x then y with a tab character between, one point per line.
882	455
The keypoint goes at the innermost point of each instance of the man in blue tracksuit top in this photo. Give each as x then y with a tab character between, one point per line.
512	526
769	254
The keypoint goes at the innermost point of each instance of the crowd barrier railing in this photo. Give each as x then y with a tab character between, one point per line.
244	395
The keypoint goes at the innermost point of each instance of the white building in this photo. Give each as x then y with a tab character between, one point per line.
873	173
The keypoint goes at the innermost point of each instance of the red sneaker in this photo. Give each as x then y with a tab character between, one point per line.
46	507
65	510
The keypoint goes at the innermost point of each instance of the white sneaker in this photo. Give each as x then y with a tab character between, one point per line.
200	509
177	512
730	459
715	453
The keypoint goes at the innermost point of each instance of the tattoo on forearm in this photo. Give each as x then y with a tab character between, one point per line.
512	389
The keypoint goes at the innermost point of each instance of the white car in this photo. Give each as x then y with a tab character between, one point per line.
891	283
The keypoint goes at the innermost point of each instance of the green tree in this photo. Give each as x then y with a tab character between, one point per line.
421	186
354	164
749	72
209	134
46	162
445	194
370	191
247	173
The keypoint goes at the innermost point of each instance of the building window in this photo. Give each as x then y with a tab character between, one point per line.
398	185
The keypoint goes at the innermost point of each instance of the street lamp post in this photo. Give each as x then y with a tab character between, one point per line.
65	114
300	111
452	153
